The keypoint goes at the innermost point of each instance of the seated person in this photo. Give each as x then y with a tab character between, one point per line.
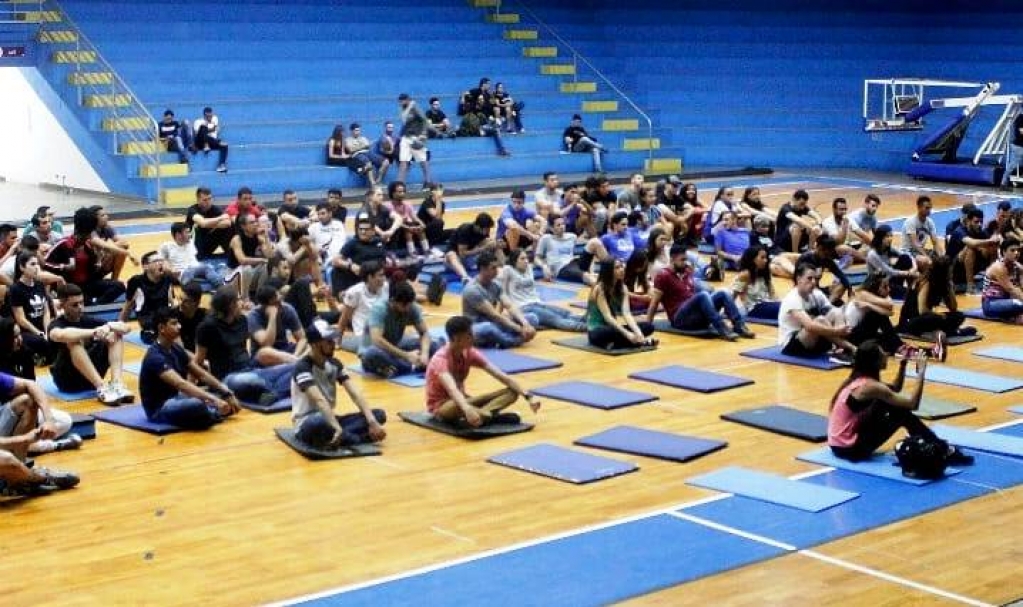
865	412
31	307
174	136
609	321
27	244
752	288
883	258
190	313
43	230
76	261
973	247
314	396
245	204
431	214
577	140
869	314
24	405
618	244
168	396
360	159
327	233
212	226
87	348
511	110
1002	296
730	241
446	397
920	235
181	258
148	292
111	248
930	290
385	350
497	322
823	255
207	137
222	339
359	299
366	247
247	256
753	207
384	151
43	213
516	223
270	325
292	214
808	325
438	125
467	243
517	282
690	308
556	258
411	229
797	226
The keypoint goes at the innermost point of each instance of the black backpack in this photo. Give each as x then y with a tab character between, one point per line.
922	457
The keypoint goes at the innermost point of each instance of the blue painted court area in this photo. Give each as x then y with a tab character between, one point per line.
594	568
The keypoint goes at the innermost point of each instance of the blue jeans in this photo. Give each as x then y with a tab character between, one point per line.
187	412
251	385
316	431
702	310
376	360
1002	308
492	335
492	131
555	317
586	144
206	271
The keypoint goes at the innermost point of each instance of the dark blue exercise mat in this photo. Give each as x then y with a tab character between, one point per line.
462	430
563	464
991	442
773	353
287	436
83	425
134	417
595	395
651	443
689	378
582	342
512	362
411	380
663	325
757	320
279	406
953	340
783	420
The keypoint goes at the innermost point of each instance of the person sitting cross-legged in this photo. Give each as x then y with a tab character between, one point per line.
385	350
609	320
467	243
314	396
182	258
270	324
87	348
148	292
168	397
446	397
808	325
497	322
517	282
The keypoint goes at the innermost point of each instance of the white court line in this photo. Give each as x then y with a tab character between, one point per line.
733	531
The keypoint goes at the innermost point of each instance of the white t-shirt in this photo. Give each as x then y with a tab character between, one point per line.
543	196
212	126
815	305
361	301
179	257
328	238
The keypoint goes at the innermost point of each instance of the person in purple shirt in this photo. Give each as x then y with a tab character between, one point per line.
730	241
516	222
617	244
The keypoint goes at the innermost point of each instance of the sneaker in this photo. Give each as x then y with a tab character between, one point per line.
730	336
505	419
746	333
27	490
59	478
939	351
108	396
221	168
906	351
840	357
436	289
123	394
967	331
49	445
957	458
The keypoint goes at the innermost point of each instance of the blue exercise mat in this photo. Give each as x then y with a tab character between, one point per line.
990	442
279	406
773	353
134	417
772	488
784	420
46	383
651	443
600	567
965	378
549	293
1012	353
412	380
1018	409
511	362
582	342
756	320
563	464
591	394
882	465
83	425
978	314
689	378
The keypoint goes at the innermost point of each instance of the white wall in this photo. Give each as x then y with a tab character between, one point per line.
34	147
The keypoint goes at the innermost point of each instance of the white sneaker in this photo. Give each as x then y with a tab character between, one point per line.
49	445
123	394
107	395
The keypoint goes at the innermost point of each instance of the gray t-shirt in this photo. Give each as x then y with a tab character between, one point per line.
863	221
287	320
924	231
556	252
391	323
519	287
475	294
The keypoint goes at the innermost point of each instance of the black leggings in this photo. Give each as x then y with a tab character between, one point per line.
572	272
102	291
929	322
877	327
611	338
878	425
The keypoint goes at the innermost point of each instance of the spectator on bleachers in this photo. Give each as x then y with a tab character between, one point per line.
148	292
357	146
797	226
469	241
276	333
411	230
973	247
212	225
609	320
44	212
74	258
244	204
431	214
919	313
516	223
207	137
517	282
412	145
173	136
497	322
808	325
1002	296
384	152
439	125
556	258
385	350
688	306
511	110
87	348
190	313
481	90
181	258
174	389
111	248
919	231
752	288
482	119
247	256
576	139
31	307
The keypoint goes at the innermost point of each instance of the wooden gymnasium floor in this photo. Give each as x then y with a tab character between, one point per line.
233	517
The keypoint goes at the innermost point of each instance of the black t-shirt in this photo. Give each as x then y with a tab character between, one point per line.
468	236
782	224
435	116
424	209
153	390
594	197
250	247
299	211
149	296
381	219
201	233
574	133
168	129
340	213
226	344
359	252
62	365
189	326
32	300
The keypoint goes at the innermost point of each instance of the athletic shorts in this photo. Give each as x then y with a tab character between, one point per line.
796	348
407	153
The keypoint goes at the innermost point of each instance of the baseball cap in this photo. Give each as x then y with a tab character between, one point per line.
675	180
318	330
